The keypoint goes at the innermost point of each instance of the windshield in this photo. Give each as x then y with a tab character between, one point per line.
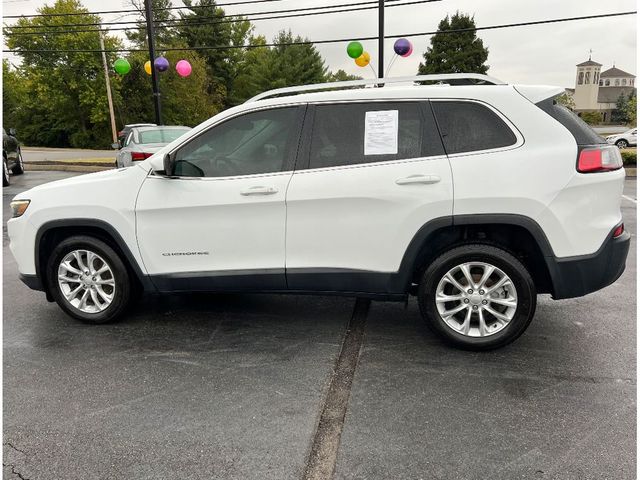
161	135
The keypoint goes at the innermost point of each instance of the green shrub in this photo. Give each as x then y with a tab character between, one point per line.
629	157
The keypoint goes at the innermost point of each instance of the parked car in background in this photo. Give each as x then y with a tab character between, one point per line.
122	134
624	140
142	142
11	156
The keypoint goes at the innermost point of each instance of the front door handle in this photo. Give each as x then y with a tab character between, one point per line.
258	190
419	179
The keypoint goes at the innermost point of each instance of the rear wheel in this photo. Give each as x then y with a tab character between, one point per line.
18	168
88	280
477	297
622	144
5	172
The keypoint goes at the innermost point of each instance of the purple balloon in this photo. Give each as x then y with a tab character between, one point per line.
402	46
161	64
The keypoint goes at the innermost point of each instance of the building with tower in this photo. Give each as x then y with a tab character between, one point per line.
599	91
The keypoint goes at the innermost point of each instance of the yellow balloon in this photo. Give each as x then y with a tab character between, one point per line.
363	60
147	67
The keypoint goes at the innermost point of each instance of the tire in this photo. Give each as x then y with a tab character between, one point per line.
494	332
5	172
18	169
622	144
96	309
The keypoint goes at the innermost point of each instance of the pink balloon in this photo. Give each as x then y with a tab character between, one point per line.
183	68
410	51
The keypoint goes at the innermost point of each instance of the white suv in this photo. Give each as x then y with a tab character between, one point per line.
473	195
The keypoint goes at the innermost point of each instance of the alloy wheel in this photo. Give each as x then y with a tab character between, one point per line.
86	280
476	299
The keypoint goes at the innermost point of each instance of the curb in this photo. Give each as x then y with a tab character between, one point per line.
66	168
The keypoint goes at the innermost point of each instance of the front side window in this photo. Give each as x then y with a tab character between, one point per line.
359	133
470	127
254	143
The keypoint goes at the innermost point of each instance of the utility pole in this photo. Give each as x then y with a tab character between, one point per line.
380	38
109	98
152	56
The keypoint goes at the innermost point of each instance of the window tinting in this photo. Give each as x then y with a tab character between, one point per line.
339	134
470	127
254	143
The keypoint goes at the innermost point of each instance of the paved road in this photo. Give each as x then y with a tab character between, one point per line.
232	386
35	154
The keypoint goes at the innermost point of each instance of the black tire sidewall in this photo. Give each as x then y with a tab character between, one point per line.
19	167
502	259
120	273
622	144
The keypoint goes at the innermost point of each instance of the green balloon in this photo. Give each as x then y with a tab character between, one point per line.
121	66
354	49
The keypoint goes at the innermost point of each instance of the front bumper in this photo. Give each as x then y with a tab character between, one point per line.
578	276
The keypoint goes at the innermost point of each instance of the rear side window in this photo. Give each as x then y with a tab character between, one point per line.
358	133
471	127
582	132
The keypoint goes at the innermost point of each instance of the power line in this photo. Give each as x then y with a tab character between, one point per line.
234	19
104	12
340	40
321	7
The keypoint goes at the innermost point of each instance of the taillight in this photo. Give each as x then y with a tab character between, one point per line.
602	158
618	231
137	156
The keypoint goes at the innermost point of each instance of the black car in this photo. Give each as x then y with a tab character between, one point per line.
11	156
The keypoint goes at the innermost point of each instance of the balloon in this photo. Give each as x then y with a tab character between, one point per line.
354	49
363	60
121	66
402	46
409	52
161	64
183	68
147	67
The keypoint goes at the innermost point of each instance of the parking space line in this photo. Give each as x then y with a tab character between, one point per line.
630	199
324	451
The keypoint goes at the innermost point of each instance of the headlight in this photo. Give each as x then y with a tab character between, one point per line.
18	207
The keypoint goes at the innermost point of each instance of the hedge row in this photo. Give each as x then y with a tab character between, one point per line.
629	157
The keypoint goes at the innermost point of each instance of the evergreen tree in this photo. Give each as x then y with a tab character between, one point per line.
619	114
460	52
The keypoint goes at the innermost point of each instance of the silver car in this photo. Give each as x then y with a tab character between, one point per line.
142	142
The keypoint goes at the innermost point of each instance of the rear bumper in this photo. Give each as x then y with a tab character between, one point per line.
578	276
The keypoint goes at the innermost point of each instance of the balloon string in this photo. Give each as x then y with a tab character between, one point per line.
375	74
395	55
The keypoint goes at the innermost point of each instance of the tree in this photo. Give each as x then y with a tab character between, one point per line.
567	100
619	114
164	33
592	118
341	76
632	109
287	64
207	25
461	52
67	99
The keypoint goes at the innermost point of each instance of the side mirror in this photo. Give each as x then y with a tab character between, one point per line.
115	145
168	164
12	132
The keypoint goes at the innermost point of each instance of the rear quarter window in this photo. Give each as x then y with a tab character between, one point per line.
471	127
582	132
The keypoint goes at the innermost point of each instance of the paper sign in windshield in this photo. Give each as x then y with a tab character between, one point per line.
381	132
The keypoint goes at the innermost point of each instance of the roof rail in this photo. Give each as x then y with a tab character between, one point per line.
451	78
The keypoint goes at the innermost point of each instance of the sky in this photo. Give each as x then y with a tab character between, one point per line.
542	54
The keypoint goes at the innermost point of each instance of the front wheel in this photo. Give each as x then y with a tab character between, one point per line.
622	144
88	279
477	297
18	169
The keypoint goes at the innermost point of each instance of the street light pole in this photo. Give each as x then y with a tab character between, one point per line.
380	38
152	56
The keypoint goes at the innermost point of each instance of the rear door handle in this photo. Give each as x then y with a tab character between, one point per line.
258	190
419	179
